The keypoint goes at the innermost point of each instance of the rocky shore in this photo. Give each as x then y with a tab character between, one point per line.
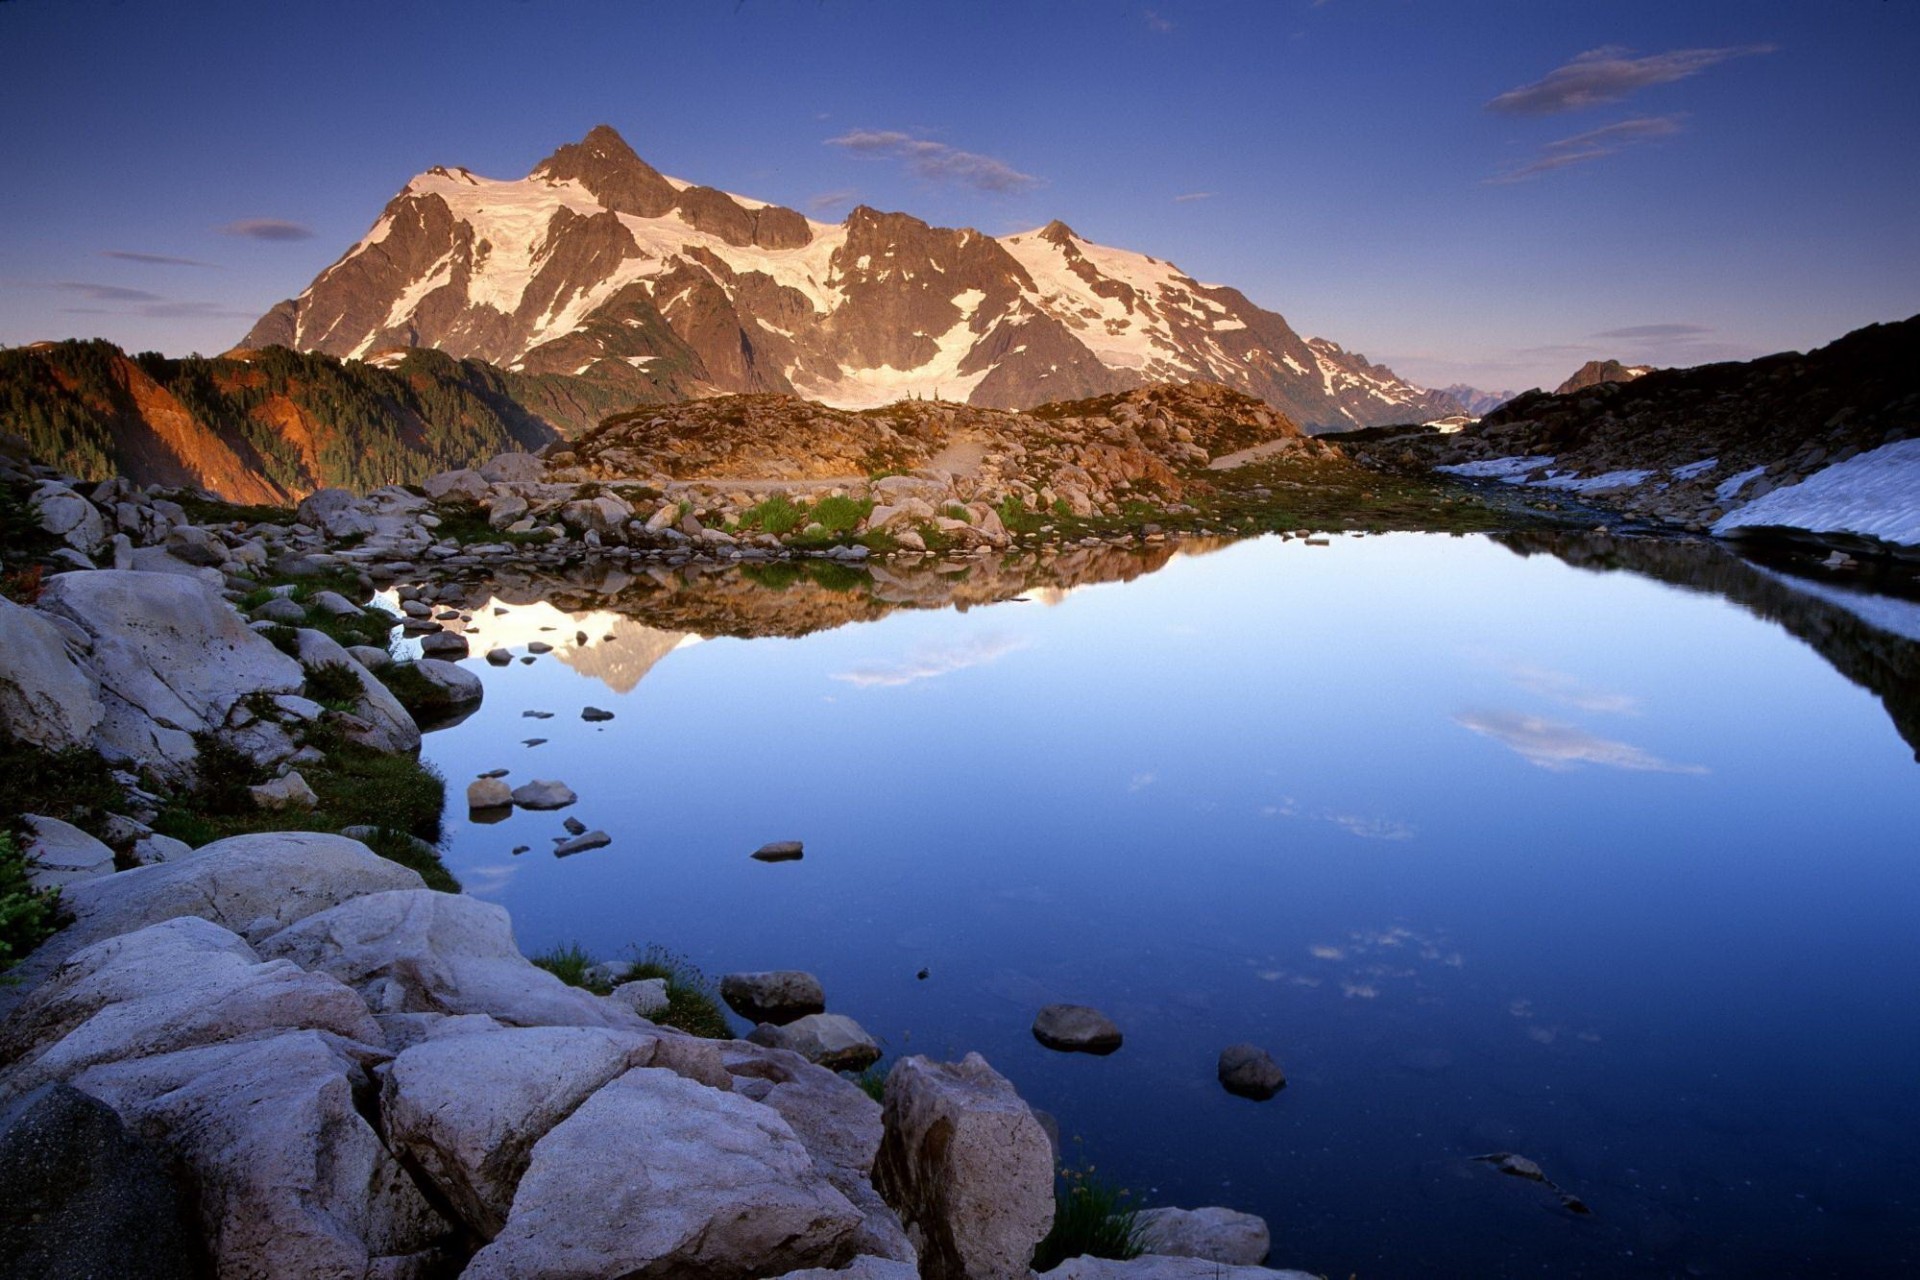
285	1052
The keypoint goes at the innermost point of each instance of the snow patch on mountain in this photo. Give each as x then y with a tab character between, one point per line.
1875	494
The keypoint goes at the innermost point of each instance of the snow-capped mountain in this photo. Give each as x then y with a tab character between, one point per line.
597	265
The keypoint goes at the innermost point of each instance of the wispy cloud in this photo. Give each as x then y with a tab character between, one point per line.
1369	828
1193	195
272	229
1594	144
1559	747
1609	74
154	259
931	662
827	201
1155	22
1655	332
104	292
1572	691
938	162
1141	781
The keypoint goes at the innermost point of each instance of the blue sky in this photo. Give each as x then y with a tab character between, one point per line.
1487	192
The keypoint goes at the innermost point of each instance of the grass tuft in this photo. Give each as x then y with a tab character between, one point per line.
570	964
1090	1219
28	916
692	1003
74	785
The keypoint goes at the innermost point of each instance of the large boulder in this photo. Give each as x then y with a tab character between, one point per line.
456	486
69	517
337	513
293	1181
512	468
655	1175
833	1040
60	854
387	726
178	984
776	995
467	1109
77	1188
417	951
1214	1233
967	1167
252	884
452	693
48	698
172	657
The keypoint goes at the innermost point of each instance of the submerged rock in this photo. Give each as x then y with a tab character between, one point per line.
778	996
1250	1072
1076	1028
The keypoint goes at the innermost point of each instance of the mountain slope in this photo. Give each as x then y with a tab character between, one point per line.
266	426
1595	372
598	266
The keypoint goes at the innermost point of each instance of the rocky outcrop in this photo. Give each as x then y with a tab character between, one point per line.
1595	372
48	696
1214	1233
967	1167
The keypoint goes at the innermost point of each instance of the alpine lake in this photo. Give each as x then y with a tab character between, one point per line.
1601	851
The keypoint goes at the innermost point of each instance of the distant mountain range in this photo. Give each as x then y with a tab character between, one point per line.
597	266
1475	402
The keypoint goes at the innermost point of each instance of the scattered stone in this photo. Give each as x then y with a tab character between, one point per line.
1250	1072
574	826
444	645
1217	1234
536	715
831	1040
489	793
539	646
335	605
645	996
594	715
281	610
780	851
778	996
369	657
456	692
543	793
499	657
532	742
967	1168
288	792
582	843
1076	1028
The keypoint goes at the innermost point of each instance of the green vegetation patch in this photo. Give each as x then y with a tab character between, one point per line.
27	916
1091	1218
74	785
570	963
693	1004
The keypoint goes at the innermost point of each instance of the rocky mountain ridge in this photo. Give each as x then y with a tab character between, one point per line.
598	266
268	426
1692	446
1595	372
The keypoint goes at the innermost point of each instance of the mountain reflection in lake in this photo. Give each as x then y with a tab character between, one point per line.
1615	870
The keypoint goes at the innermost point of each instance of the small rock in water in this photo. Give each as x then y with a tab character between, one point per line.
528	658
582	843
1076	1028
444	644
536	715
489	793
539	646
499	657
594	715
579	637
543	793
1516	1166
520	849
922	975
1249	1071
494	773
780	851
574	826
778	996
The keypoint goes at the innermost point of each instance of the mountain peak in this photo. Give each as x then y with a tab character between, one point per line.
612	171
1058	232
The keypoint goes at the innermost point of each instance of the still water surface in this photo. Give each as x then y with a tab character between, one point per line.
1492	852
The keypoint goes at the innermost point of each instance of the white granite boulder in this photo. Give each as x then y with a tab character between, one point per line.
1214	1233
48	697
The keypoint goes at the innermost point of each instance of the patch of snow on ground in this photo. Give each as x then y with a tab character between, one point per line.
1876	494
1593	484
1510	469
1734	484
1694	469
